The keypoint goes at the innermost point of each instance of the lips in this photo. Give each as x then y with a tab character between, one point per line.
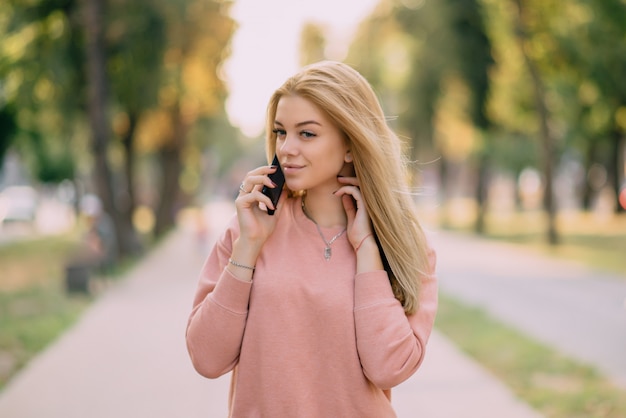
289	166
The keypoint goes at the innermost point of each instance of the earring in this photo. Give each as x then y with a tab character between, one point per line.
348	157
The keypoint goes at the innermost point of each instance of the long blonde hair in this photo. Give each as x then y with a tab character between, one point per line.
349	100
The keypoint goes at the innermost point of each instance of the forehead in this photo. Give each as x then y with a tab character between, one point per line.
295	109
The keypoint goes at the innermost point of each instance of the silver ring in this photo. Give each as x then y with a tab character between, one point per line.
242	189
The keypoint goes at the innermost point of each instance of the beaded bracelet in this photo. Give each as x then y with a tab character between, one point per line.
236	264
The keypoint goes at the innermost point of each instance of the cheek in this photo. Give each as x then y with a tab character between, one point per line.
333	165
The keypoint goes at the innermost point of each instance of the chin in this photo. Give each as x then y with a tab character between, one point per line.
294	187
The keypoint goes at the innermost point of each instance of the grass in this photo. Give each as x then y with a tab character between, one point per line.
34	262
553	384
598	240
34	307
31	319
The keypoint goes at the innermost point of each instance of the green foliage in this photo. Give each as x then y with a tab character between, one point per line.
449	39
52	162
55	171
41	68
158	54
136	44
416	54
217	136
473	52
511	152
429	28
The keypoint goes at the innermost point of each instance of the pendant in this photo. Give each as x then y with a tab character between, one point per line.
327	253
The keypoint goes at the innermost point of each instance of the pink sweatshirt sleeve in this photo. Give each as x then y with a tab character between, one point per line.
391	344
220	309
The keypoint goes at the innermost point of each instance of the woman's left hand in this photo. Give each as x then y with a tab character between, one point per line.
359	223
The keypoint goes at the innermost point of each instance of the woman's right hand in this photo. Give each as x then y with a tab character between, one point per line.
255	224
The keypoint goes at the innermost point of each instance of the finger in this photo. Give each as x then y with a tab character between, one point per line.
255	182
265	202
252	198
246	200
349	180
353	191
349	207
263	170
244	189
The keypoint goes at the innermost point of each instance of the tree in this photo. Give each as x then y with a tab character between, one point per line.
527	75
546	137
8	127
474	62
98	103
42	83
385	53
153	71
136	42
191	88
448	81
312	44
594	50
430	61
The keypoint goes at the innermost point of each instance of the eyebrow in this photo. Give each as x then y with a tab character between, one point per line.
299	124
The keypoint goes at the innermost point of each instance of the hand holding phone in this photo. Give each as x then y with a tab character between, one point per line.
279	180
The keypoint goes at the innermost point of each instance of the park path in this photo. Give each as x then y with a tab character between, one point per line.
569	306
126	357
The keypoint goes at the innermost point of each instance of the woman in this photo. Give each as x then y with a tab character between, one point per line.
322	308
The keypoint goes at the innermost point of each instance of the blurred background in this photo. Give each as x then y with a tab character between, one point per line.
120	119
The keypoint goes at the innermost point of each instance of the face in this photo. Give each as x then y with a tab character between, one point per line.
311	148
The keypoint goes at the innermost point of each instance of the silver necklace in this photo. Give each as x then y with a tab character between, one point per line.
327	250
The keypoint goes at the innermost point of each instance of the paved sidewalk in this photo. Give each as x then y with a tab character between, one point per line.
579	311
127	358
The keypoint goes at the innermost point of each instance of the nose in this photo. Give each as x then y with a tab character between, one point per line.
289	145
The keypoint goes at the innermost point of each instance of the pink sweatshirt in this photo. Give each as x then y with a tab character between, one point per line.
307	337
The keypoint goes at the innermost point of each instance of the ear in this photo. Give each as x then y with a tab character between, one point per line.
348	157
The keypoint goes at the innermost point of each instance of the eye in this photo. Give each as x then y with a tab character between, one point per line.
280	132
307	134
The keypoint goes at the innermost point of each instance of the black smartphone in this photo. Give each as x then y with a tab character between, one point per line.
279	180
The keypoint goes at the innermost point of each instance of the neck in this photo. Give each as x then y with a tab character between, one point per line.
326	209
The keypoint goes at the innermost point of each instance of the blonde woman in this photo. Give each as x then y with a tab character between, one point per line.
322	308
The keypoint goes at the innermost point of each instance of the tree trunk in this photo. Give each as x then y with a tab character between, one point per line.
129	161
482	190
171	168
130	204
100	129
169	158
444	190
616	167
590	159
545	135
